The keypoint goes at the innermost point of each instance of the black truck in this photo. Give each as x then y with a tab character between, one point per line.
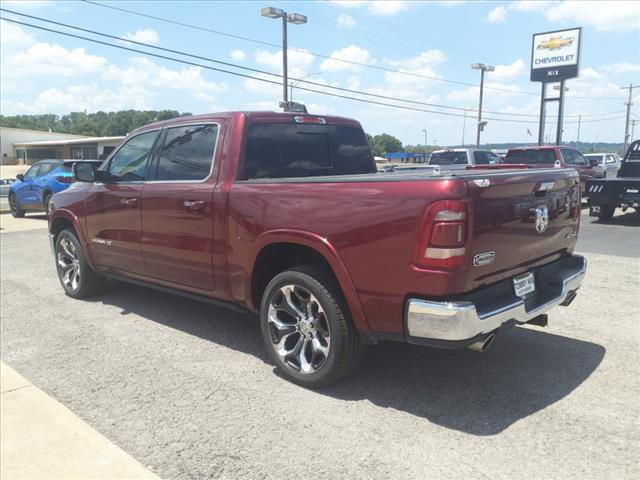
623	191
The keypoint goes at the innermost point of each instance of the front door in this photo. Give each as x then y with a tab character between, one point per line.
24	190
113	207
177	209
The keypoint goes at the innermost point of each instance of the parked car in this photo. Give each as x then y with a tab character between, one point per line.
610	162
622	191
460	158
555	156
5	183
33	190
284	214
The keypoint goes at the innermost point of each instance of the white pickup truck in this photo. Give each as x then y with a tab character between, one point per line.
454	158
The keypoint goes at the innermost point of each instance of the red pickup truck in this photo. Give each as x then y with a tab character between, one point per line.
285	214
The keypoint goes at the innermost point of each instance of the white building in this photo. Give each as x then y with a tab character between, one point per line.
20	146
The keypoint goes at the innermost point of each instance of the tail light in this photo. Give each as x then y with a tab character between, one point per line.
65	179
443	235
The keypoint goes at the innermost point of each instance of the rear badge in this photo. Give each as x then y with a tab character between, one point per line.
484	259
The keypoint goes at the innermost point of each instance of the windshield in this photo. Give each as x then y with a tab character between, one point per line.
485	158
448	158
599	158
279	150
543	155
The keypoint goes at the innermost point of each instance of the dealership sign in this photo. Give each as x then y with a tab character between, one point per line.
555	55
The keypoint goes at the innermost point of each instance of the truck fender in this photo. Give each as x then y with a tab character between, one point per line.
66	215
328	252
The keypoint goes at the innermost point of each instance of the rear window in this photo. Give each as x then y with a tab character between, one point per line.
485	158
448	158
295	150
544	155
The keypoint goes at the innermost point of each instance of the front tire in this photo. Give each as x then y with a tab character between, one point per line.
76	276
16	211
307	329
47	200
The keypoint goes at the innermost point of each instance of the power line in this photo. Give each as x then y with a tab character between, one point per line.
342	60
254	70
208	67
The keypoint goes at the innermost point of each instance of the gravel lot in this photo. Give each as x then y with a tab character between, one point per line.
187	390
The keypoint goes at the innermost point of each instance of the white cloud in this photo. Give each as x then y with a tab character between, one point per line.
14	36
426	58
375	7
298	58
614	15
253	85
346	21
238	55
44	58
27	4
90	97
352	53
146	35
497	15
623	67
143	72
512	70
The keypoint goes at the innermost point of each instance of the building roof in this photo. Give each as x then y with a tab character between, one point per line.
68	141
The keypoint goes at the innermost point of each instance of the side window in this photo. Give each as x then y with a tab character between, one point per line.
33	172
480	158
187	153
129	164
611	159
580	159
569	156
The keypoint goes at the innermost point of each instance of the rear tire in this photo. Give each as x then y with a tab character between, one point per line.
16	211
606	212
47	199
307	329
76	276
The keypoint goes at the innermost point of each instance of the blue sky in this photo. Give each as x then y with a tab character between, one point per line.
43	72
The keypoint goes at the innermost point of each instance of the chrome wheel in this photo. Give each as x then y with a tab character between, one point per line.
68	264
299	329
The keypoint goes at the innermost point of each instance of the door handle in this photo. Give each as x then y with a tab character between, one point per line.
193	205
129	202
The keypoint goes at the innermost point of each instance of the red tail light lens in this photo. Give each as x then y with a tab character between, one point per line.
62	179
443	235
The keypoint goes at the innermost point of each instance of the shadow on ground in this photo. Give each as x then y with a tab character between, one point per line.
526	371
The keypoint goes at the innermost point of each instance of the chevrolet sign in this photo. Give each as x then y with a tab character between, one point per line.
555	55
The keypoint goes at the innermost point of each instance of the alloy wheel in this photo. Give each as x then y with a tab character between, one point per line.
68	264
299	329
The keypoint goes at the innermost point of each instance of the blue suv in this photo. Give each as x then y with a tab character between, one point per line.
33	190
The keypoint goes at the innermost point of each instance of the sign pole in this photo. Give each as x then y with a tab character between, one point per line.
543	101
560	114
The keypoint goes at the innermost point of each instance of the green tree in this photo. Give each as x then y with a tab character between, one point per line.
385	143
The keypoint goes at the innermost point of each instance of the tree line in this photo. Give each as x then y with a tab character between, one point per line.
99	124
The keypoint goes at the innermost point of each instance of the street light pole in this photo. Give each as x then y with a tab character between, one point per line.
296	19
425	143
483	68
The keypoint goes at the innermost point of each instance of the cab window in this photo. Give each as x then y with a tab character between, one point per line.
32	172
187	153
129	164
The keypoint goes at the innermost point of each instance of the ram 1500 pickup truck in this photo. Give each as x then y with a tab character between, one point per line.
284	214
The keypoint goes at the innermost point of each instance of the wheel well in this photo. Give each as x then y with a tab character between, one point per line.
60	224
44	195
279	257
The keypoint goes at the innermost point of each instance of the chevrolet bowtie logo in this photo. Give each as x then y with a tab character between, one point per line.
555	43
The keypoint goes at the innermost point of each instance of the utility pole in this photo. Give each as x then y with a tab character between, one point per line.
628	104
464	123
579	122
483	68
425	144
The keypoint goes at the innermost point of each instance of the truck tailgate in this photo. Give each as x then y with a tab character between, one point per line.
521	219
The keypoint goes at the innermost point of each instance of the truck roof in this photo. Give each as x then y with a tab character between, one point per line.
250	115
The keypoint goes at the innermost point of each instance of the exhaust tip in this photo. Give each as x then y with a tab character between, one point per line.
484	344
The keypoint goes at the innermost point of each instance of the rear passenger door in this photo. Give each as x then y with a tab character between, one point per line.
177	208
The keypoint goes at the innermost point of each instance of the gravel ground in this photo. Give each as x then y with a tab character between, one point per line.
187	390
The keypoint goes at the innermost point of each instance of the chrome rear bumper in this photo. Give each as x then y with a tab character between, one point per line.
491	307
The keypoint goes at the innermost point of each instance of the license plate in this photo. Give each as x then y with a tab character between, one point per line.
524	284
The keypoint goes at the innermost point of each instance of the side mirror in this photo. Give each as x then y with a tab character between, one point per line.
20	177
593	163
83	172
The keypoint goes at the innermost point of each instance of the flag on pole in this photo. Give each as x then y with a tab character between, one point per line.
529	133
